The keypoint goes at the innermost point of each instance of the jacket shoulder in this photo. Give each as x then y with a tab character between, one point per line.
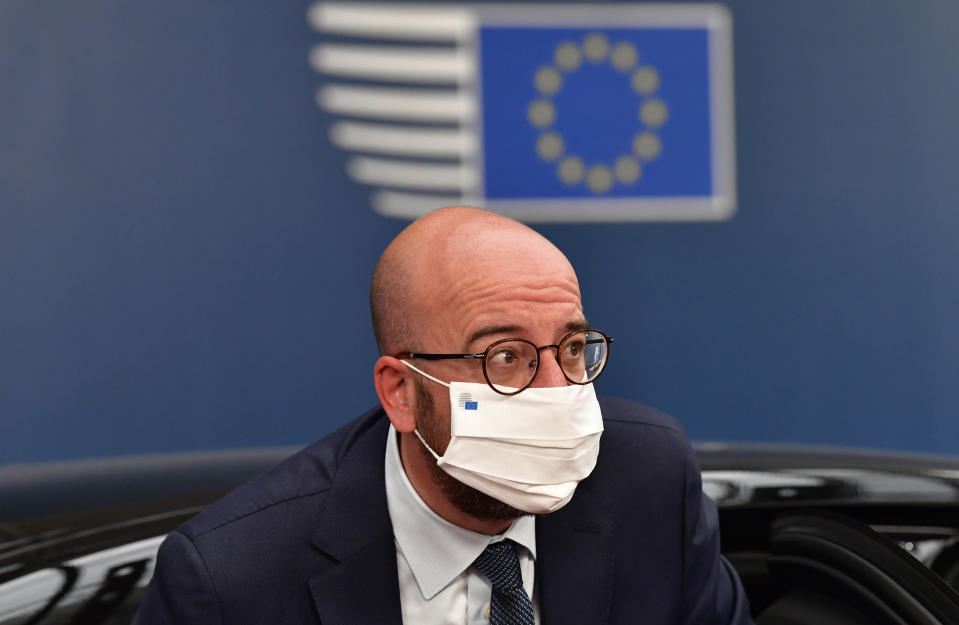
620	410
304	476
637	437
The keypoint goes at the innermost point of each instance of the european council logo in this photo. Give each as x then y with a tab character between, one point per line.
613	112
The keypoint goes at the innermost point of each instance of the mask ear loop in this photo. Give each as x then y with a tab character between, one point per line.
424	374
416	430
428	448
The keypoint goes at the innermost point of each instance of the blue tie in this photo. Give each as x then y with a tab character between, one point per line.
510	604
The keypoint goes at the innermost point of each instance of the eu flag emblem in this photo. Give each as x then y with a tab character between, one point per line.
595	113
471	405
605	112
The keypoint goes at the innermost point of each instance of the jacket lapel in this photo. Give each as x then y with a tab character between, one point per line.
362	589
574	561
361	585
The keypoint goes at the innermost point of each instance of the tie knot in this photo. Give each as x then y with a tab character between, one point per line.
500	565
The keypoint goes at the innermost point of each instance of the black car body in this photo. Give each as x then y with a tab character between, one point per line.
819	536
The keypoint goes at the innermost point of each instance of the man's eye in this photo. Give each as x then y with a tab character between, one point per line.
502	358
574	348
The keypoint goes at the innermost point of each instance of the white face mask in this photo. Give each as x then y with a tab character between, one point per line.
528	450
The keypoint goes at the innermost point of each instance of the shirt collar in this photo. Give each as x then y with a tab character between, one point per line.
437	550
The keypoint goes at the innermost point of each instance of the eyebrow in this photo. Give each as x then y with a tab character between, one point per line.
490	330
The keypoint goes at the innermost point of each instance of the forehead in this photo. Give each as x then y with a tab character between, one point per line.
515	281
511	250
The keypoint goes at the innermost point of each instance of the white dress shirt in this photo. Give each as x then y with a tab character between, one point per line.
438	585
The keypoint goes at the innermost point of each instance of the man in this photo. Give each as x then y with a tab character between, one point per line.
420	511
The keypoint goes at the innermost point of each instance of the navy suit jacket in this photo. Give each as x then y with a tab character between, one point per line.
311	541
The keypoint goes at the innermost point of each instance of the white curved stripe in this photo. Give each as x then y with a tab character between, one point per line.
26	595
423	22
436	105
399	64
403	174
405	140
413	205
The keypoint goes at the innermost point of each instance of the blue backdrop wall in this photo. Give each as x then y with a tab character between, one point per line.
184	262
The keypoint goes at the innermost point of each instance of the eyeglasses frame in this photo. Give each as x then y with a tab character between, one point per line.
607	339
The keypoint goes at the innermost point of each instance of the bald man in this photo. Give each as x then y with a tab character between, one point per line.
490	485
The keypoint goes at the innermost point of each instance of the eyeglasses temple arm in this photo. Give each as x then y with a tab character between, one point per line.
412	355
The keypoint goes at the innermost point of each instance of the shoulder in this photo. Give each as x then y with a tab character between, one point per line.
634	424
300	481
642	441
617	410
246	557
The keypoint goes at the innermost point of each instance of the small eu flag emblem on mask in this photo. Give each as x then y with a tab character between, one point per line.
471	405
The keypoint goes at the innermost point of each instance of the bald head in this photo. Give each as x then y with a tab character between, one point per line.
421	273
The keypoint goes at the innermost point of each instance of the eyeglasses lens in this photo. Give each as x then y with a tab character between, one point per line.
512	364
583	355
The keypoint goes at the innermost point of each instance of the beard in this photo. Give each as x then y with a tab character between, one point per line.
463	497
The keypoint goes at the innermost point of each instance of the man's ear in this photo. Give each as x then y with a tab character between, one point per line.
395	390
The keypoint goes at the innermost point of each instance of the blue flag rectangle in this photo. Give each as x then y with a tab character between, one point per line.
595	112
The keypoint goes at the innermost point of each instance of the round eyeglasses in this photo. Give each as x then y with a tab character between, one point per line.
510	365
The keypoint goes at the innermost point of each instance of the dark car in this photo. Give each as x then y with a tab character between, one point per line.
819	536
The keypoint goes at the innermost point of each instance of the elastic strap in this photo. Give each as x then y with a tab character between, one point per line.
423	373
428	448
